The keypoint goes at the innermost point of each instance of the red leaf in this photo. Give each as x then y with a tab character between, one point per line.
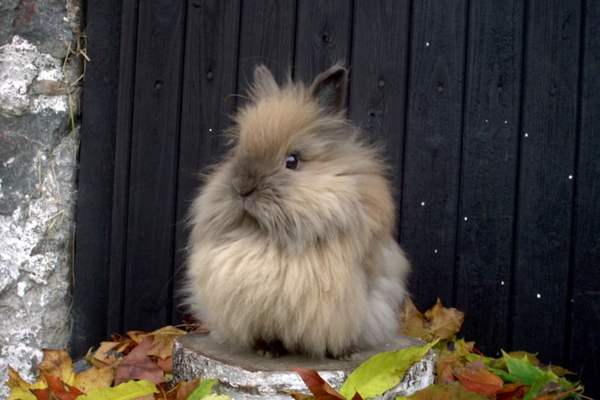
41	394
137	365
511	391
476	378
317	385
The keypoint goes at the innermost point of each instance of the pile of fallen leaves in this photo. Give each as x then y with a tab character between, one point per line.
139	366
135	366
462	372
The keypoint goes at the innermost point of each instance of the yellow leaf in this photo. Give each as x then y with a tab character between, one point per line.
94	378
106	352
57	363
125	391
163	340
137	336
18	393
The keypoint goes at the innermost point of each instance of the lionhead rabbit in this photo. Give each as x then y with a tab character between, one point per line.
292	234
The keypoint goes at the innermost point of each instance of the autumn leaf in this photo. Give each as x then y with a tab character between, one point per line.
57	363
476	378
438	322
511	391
163	340
320	389
107	353
452	391
126	391
203	390
137	365
94	378
382	371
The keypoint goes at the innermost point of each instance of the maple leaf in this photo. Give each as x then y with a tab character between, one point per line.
57	363
438	322
476	378
137	365
94	378
452	391
511	391
163	340
107	353
318	386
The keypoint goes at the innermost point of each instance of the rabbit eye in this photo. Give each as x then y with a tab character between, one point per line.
291	162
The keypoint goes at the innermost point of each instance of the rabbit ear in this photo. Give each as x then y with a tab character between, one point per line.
264	83
329	88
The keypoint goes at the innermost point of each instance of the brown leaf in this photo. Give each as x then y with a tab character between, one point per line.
476	378
444	322
166	365
94	378
137	365
15	380
438	322
511	391
413	321
184	389
107	352
320	389
57	363
164	338
41	394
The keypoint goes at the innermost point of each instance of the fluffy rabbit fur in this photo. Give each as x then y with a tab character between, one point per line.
302	257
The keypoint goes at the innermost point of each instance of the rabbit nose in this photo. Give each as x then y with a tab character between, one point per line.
247	191
244	186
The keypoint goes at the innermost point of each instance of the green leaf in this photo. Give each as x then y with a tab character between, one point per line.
125	391
203	390
522	370
382	371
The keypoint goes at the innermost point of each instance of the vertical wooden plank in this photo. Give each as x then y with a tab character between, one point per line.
322	36
120	199
489	168
585	306
432	149
153	174
546	171
209	81
95	180
379	71
266	37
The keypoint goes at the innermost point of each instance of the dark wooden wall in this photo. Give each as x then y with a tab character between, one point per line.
490	111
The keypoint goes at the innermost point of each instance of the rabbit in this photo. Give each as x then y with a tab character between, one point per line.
292	243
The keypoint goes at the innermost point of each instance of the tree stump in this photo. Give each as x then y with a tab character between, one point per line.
245	375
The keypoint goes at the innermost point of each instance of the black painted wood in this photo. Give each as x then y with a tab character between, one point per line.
209	84
92	247
267	36
489	165
120	206
153	164
545	193
322	36
585	283
432	146
434	82
379	73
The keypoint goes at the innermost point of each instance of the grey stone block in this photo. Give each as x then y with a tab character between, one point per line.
245	375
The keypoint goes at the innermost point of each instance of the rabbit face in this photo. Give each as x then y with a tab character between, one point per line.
296	170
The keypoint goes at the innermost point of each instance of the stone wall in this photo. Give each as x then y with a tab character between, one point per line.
41	54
